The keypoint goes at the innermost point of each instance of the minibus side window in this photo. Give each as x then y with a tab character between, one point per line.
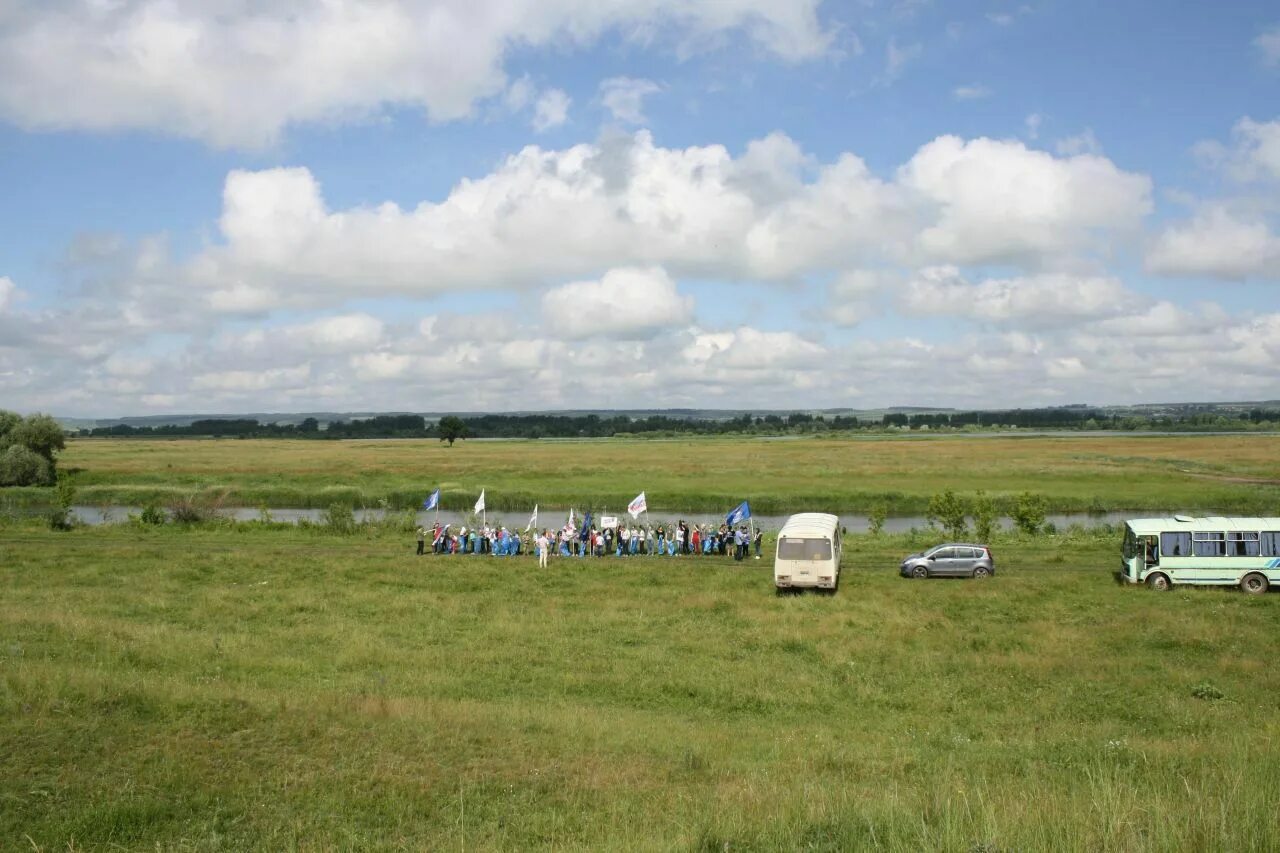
1175	544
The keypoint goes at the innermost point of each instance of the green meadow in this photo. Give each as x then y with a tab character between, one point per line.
1219	473
258	687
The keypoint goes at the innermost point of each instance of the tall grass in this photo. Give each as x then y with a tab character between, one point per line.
271	687
1239	474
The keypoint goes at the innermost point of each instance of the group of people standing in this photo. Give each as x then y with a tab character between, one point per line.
627	540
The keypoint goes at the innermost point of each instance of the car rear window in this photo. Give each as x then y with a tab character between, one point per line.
792	548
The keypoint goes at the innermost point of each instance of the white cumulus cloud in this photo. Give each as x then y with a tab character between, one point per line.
238	74
1268	44
1045	300
624	303
1217	243
971	92
7	291
1001	201
771	214
624	97
551	110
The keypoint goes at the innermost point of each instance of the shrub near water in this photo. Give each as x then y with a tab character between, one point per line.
949	512
340	519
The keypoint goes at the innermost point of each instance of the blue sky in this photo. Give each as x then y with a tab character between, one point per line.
301	205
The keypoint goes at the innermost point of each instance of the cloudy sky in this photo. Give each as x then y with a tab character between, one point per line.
289	205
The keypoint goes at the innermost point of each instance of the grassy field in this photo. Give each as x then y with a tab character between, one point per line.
1238	473
228	689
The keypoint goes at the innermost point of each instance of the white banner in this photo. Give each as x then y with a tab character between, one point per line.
637	506
608	522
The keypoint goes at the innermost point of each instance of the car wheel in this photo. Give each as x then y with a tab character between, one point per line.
981	572
919	572
1159	582
1254	583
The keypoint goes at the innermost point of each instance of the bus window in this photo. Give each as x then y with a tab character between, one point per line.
1241	544
1271	543
1209	543
1175	544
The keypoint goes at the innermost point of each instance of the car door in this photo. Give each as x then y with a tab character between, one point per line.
966	559
942	563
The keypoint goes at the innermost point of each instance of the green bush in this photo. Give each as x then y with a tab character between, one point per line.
22	466
152	515
1029	511
984	516
949	511
877	516
340	518
64	497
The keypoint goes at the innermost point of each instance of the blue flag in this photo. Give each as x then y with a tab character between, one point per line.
738	514
586	524
433	501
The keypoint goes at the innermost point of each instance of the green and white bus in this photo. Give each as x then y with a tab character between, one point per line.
1161	552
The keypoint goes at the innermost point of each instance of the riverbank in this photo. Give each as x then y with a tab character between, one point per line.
551	517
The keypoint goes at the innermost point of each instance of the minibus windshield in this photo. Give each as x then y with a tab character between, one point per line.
790	548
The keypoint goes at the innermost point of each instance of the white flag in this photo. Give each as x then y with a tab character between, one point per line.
637	506
480	502
571	522
533	521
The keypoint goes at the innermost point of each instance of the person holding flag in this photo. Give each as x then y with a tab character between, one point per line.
737	515
584	535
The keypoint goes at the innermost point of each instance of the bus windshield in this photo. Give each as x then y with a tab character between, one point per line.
804	549
1130	547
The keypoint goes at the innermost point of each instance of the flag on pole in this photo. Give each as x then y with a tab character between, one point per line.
480	502
586	524
738	514
432	502
638	506
572	515
533	520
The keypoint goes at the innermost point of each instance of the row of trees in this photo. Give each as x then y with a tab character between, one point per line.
452	427
953	513
29	449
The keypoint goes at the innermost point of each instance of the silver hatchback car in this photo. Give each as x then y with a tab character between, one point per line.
952	560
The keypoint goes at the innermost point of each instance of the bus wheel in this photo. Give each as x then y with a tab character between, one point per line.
1254	583
1159	582
919	572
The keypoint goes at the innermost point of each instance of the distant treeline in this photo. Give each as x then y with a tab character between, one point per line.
595	426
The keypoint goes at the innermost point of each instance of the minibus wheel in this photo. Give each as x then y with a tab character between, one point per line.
1254	583
1159	582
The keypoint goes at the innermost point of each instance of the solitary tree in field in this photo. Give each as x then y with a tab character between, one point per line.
451	428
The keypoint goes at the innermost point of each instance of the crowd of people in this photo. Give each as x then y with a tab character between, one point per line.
624	540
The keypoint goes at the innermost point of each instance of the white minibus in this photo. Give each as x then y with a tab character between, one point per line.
808	553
